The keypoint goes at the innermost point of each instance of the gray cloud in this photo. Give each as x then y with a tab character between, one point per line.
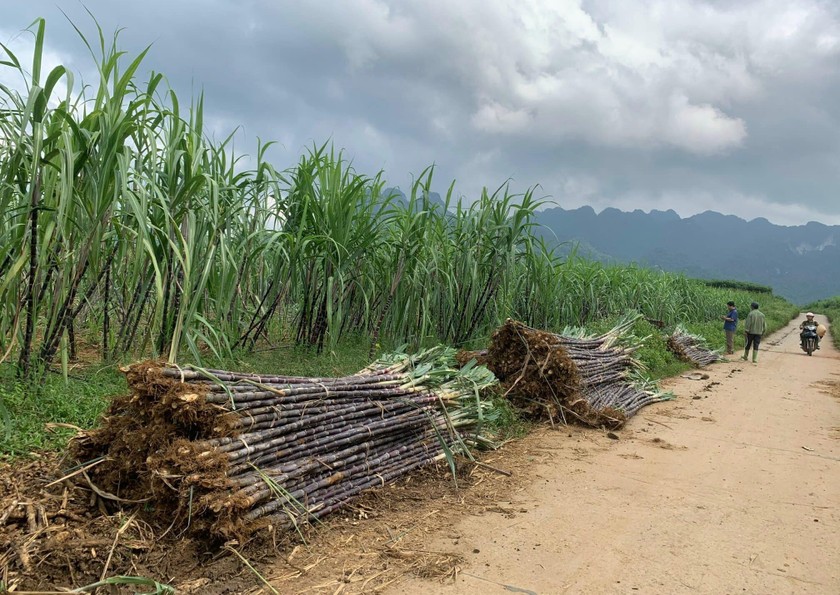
676	104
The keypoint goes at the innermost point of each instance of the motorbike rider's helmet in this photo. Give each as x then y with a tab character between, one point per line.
809	315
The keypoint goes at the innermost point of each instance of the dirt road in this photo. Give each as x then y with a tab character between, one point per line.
732	488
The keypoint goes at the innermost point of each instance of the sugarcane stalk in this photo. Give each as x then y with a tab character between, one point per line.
250	445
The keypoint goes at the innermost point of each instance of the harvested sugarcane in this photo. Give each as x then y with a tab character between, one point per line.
692	348
595	380
225	453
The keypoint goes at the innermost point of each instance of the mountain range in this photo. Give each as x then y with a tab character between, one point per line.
800	263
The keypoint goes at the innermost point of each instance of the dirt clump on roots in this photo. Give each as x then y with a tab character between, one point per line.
534	369
144	441
542	374
166	400
465	356
56	533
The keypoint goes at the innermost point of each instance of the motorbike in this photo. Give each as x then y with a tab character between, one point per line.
808	338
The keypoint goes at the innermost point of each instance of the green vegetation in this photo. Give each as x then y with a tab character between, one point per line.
831	308
127	233
743	285
29	407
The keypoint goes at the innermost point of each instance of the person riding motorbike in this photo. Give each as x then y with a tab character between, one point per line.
809	323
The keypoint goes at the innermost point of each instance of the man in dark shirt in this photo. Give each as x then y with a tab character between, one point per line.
730	323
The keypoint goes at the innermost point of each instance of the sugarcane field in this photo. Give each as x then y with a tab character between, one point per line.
224	374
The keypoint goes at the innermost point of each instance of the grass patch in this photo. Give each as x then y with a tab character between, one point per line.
659	361
348	357
29	407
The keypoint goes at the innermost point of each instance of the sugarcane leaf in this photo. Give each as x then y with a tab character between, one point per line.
159	588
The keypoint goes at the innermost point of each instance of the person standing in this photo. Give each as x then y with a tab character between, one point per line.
730	323
754	327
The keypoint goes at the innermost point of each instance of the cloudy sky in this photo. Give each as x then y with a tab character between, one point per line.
651	104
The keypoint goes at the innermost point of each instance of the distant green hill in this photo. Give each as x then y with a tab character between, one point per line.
801	263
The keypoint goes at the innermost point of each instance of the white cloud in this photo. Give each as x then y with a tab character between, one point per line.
632	74
701	128
493	117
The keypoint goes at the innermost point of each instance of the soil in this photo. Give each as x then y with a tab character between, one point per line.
732	487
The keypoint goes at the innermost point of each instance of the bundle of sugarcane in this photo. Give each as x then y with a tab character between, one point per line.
226	452
692	348
596	379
